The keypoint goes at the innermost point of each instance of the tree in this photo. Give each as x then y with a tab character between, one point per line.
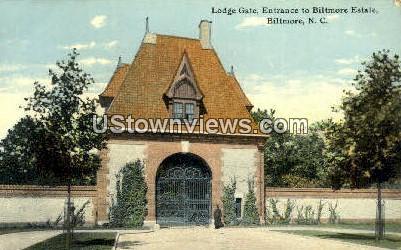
229	202
277	151
293	160
370	134
68	146
251	215
17	161
22	151
129	207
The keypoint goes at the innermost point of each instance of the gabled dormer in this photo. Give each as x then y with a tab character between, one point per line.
184	97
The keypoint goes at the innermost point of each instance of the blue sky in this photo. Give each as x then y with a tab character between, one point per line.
298	70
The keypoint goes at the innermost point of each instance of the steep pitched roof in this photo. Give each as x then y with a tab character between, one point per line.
115	82
154	68
237	86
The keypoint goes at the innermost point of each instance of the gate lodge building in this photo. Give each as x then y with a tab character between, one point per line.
180	78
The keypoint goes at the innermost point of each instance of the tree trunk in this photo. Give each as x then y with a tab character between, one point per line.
68	236
379	216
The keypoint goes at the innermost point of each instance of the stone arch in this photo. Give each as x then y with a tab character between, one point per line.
183	190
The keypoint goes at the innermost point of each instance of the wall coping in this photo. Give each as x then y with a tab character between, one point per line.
46	191
329	193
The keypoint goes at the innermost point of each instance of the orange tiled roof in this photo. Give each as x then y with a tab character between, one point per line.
238	88
115	82
151	72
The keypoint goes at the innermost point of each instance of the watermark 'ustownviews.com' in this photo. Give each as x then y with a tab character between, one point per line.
119	124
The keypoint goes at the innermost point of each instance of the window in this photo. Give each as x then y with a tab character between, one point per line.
189	111
184	110
238	207
178	111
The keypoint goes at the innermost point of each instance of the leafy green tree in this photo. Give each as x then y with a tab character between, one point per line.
370	134
56	139
17	161
309	167
229	202
261	114
129	207
69	145
251	215
294	160
277	150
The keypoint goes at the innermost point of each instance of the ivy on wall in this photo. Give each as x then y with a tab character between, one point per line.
129	207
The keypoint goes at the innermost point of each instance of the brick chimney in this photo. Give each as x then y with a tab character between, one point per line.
205	33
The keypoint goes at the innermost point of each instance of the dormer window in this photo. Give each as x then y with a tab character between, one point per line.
184	110
189	111
178	110
183	96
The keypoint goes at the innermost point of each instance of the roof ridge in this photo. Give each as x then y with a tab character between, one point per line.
179	37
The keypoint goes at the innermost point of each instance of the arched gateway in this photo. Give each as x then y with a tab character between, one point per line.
183	191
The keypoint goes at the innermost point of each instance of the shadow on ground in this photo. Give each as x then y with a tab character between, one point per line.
131	244
94	242
348	236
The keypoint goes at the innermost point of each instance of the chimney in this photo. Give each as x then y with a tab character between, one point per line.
205	33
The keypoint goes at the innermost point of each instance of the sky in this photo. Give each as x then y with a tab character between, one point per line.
299	70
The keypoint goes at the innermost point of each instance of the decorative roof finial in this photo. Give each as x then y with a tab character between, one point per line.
119	64
147	24
232	70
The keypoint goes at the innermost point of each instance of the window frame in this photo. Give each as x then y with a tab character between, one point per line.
184	115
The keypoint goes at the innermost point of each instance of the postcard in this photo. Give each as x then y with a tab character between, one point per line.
200	124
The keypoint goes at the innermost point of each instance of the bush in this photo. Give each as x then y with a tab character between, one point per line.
78	218
334	217
251	215
229	202
319	212
273	216
129	208
306	215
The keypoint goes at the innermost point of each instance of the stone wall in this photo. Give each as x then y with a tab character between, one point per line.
352	205
39	204
241	164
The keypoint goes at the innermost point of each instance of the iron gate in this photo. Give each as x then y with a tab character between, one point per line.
183	194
